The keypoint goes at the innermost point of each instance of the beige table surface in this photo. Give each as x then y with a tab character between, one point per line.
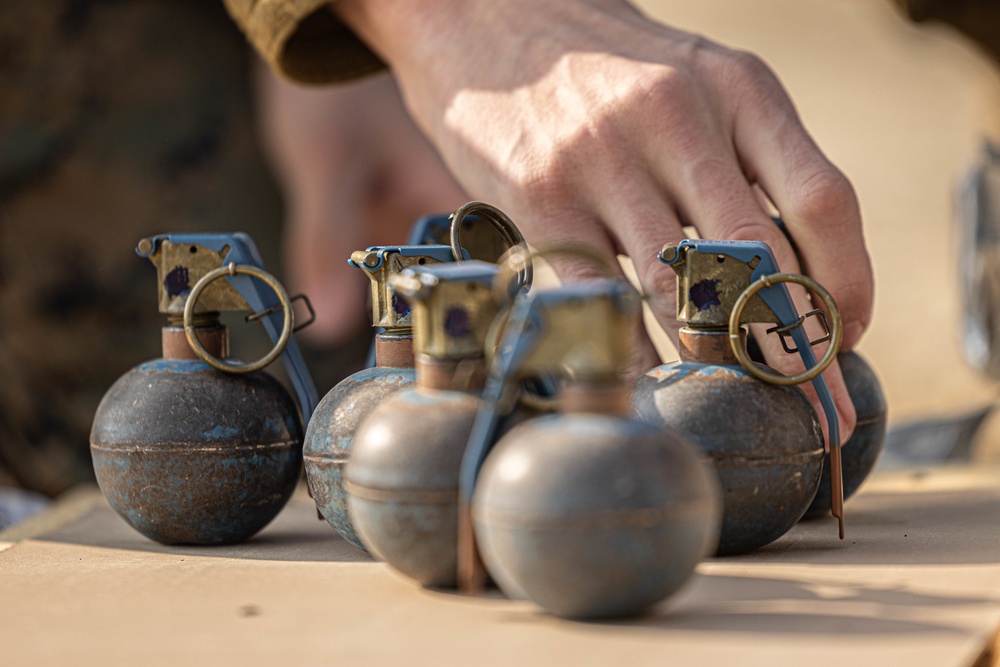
916	582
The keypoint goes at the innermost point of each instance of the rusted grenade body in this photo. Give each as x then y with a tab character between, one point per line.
330	433
861	451
187	453
590	512
402	477
764	440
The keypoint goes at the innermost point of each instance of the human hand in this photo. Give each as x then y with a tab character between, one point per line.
355	172
585	120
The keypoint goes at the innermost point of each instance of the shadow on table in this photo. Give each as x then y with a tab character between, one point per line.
769	606
295	535
926	528
929	528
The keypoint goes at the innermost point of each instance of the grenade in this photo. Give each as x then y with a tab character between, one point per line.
402	477
330	433
860	453
764	438
196	448
588	512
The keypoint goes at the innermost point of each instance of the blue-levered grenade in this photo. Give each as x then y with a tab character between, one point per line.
861	451
589	511
330	433
196	447
759	430
402	477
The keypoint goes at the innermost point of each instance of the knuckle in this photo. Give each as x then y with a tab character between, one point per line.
751	82
824	196
744	66
663	84
739	71
659	288
664	90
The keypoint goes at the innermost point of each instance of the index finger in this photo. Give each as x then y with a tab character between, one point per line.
820	211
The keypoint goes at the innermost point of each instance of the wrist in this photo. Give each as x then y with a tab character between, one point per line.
411	32
396	30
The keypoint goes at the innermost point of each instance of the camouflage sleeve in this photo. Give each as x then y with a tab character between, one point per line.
977	19
303	39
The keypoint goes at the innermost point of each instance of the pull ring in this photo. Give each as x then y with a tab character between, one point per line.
229	365
519	259
835	330
503	224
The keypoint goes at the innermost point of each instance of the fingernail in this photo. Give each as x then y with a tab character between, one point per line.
852	333
845	430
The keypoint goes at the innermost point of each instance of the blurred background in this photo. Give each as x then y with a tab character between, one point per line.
124	118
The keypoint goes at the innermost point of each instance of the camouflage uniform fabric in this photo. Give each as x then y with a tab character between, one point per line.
977	19
118	119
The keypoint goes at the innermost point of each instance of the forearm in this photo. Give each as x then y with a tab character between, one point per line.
434	37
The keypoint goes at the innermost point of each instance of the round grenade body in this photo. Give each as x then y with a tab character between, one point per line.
402	481
860	453
764	441
330	437
189	455
593	515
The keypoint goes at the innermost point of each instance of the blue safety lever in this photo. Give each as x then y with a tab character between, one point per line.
234	250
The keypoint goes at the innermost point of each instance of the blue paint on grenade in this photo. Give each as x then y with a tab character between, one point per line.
330	433
589	512
861	451
198	448
402	476
759	430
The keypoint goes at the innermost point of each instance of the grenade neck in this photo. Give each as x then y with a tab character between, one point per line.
608	396
467	374
213	335
703	345
394	349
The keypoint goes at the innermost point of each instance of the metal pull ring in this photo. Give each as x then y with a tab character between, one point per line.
517	259
509	232
836	330
229	365
520	259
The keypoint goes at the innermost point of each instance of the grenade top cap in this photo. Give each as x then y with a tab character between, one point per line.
583	330
179	266
379	263
454	306
709	283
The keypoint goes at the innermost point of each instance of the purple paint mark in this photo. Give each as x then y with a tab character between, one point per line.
400	305
177	281
705	294
457	322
